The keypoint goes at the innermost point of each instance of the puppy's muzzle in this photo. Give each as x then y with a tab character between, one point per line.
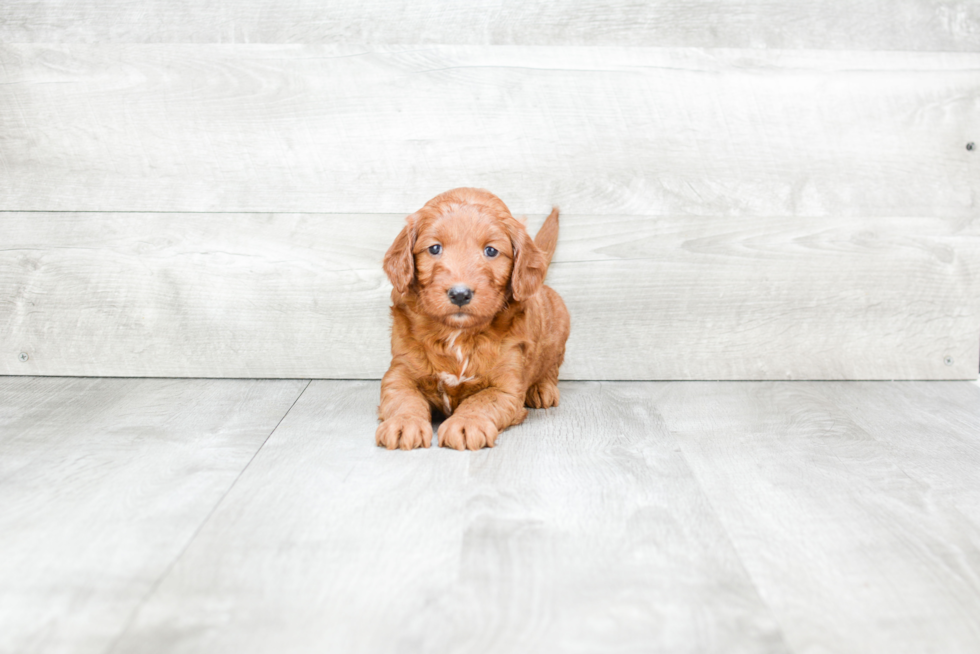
460	295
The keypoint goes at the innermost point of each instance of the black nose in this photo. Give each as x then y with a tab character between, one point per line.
460	295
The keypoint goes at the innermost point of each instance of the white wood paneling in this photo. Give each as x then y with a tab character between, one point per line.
582	531
642	131
930	25
850	552
103	483
302	295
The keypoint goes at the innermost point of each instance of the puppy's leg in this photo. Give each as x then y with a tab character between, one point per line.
543	393
480	418
404	412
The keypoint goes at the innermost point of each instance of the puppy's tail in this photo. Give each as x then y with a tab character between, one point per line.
547	238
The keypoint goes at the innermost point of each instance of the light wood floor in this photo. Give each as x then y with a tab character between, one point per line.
214	516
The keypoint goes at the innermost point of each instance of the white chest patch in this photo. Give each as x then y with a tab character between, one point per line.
454	380
460	378
451	345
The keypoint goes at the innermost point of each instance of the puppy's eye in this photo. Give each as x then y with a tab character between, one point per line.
435	249
490	251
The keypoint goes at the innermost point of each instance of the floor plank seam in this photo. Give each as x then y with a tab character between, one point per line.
153	589
741	559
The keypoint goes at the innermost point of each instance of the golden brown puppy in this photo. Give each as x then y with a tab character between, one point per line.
476	335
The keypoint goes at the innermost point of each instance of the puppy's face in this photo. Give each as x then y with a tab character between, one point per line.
464	256
463	262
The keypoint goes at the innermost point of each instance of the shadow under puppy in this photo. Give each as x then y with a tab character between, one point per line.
476	334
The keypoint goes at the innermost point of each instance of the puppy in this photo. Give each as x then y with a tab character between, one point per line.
476	334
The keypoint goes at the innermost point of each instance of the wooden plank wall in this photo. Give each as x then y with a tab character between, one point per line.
923	25
750	190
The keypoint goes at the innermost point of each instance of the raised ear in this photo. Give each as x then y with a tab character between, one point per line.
530	265
399	262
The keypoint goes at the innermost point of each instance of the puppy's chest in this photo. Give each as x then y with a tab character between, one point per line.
460	370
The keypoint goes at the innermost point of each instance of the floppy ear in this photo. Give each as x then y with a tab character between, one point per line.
399	262
530	265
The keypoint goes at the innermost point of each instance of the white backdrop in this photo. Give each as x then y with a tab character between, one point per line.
744	196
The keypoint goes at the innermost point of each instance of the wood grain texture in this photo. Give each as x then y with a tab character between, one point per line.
681	297
934	434
103	483
611	130
582	531
720	517
850	552
932	25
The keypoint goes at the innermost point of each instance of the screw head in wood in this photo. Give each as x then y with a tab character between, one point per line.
948	360
970	146
23	356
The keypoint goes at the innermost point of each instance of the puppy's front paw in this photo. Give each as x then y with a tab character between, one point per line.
404	432
467	433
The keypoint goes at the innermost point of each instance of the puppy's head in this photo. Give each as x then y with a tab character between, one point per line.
464	255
